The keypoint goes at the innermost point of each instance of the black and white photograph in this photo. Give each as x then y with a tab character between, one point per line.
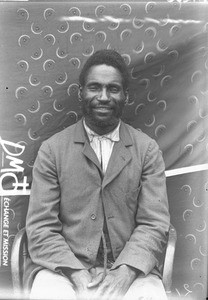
104	150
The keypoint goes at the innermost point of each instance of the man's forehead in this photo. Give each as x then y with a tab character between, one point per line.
105	73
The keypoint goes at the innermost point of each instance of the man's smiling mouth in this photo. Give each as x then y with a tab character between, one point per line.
102	109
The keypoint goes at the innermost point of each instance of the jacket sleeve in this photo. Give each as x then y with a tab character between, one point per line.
47	246
144	249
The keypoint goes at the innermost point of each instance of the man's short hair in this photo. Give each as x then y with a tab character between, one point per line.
107	57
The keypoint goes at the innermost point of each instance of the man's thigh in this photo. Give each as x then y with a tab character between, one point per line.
51	285
146	288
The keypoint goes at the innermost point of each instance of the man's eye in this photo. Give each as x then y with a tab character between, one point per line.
93	88
114	89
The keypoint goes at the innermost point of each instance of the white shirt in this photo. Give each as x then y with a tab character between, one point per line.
103	144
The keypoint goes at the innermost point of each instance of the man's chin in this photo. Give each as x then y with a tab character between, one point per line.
103	121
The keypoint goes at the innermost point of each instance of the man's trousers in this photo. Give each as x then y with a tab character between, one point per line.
50	285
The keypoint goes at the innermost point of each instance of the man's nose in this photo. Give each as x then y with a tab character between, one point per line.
104	96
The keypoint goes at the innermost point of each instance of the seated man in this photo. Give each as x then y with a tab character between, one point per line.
98	215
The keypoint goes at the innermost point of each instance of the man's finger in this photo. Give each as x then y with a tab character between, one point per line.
97	280
103	292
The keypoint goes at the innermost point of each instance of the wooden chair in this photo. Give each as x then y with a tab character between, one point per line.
20	255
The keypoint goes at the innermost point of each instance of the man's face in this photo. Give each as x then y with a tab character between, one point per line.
103	97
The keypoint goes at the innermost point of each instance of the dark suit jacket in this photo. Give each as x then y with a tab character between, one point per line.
69	195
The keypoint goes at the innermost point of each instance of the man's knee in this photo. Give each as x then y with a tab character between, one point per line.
50	285
148	287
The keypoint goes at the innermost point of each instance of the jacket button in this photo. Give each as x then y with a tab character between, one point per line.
93	217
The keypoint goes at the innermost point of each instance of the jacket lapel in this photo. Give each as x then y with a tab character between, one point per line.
90	154
80	136
120	157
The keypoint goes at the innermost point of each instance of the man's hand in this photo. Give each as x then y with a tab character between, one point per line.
116	283
80	279
97	279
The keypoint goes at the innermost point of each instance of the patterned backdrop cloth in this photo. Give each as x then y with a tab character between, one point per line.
43	48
